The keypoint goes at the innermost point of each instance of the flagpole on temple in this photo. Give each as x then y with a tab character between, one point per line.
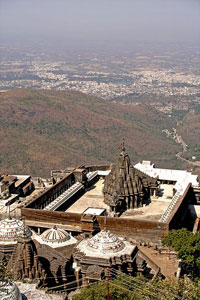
121	145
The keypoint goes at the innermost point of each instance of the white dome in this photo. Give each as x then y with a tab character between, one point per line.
105	242
9	291
11	229
55	235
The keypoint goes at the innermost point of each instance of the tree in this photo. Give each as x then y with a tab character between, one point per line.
125	287
139	288
187	246
98	291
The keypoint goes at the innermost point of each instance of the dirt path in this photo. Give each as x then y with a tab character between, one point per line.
194	163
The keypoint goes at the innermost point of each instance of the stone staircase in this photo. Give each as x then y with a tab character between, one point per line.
55	204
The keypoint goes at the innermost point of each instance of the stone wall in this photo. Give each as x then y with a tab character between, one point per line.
52	193
178	217
51	217
139	230
92	168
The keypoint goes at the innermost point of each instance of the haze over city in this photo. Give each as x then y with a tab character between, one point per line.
100	22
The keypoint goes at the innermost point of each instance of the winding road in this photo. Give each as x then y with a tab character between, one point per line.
179	140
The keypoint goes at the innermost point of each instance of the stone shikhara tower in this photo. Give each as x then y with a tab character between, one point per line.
123	188
24	261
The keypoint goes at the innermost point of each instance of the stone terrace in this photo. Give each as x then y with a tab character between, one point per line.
93	197
155	209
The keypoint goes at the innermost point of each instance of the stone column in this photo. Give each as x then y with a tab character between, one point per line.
136	202
154	196
84	281
127	202
77	278
131	202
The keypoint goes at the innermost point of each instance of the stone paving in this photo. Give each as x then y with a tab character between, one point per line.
155	209
93	197
29	292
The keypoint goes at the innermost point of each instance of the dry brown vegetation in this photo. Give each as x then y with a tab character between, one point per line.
41	130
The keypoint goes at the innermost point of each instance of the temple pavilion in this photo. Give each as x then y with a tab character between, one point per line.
103	251
10	231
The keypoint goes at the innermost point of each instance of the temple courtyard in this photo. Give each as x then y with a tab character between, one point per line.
93	197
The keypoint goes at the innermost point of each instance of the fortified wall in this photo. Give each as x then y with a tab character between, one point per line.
178	217
138	230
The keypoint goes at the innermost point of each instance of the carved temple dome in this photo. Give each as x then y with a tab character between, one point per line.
9	291
105	242
55	235
11	229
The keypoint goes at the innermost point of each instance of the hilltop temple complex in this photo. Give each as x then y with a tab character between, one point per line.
84	221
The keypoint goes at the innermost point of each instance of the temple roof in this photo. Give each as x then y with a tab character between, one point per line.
122	181
105	242
11	229
105	245
123	157
55	237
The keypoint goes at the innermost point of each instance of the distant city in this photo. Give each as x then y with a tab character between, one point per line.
168	73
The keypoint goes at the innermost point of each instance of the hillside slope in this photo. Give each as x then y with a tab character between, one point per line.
189	129
42	130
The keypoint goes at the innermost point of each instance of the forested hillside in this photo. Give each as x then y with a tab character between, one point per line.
42	130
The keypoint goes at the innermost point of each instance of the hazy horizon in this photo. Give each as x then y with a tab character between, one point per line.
111	22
